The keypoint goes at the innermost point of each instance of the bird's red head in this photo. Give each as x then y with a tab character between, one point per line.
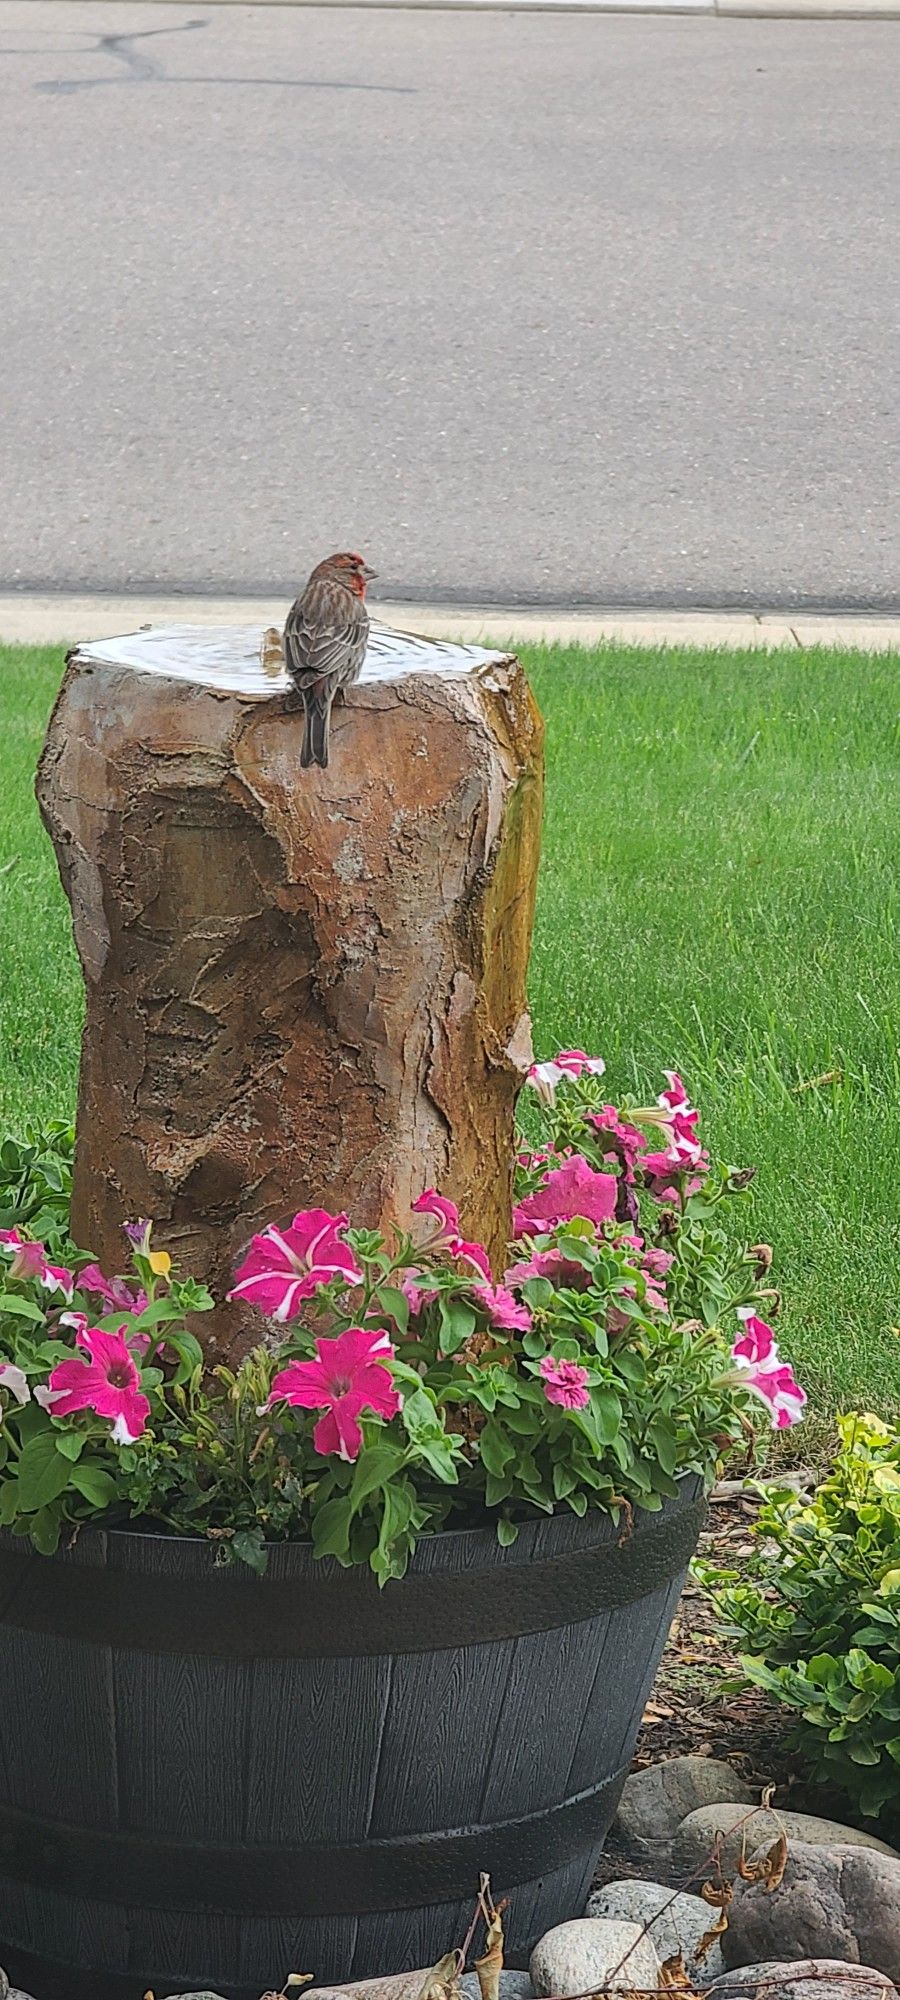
347	569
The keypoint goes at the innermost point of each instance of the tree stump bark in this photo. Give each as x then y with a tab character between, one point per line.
302	987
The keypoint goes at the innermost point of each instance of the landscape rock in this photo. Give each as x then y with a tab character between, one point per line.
696	1837
513	1986
206	1994
677	1923
591	1952
839	1902
803	1979
389	1986
654	1802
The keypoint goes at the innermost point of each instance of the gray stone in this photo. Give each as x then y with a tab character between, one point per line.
591	1952
695	1840
839	1902
390	1986
513	1986
654	1802
676	1923
206	1994
803	1979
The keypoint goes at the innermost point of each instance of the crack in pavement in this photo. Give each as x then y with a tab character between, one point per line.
141	67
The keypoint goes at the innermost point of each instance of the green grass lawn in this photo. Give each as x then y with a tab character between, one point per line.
719	893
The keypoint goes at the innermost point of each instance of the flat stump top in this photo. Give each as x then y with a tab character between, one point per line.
228	658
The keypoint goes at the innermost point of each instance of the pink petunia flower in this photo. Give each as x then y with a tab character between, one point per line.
762	1370
502	1309
116	1293
106	1381
619	1141
565	1383
570	1064
348	1375
550	1264
656	1261
671	1176
417	1290
285	1266
29	1260
572	1189
447	1236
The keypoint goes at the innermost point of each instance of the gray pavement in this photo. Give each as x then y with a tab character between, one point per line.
568	308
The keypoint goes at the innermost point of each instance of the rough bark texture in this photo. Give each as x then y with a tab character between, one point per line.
302	987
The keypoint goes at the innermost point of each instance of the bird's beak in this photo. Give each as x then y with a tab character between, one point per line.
368	573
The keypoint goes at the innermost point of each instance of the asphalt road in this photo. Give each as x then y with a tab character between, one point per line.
528	307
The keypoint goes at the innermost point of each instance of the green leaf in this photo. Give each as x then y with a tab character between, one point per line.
43	1472
495	1449
70	1444
394	1302
507	1532
376	1465
44	1529
249	1547
457	1323
10	1302
94	1483
331	1527
607	1410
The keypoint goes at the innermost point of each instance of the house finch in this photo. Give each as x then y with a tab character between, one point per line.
325	644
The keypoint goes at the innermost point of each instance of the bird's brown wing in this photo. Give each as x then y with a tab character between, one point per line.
325	627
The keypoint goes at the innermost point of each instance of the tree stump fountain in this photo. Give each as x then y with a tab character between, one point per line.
302	987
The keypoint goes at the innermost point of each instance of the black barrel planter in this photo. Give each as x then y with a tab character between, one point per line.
211	1778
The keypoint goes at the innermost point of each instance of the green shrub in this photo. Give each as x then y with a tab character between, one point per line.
821	1614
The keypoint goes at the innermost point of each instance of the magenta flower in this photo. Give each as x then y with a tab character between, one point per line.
107	1382
569	1064
447	1236
671	1176
29	1260
657	1262
565	1383
761	1369
572	1189
285	1266
502	1309
349	1374
619	1141
550	1264
116	1293
417	1290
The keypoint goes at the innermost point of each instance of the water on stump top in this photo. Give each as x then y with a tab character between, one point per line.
229	657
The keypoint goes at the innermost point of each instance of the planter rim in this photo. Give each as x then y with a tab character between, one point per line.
164	1601
448	1537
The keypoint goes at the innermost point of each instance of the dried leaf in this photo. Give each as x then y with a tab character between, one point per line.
709	1937
768	1795
490	1965
271	652
769	1867
674	1978
657	1711
719	1894
442	1982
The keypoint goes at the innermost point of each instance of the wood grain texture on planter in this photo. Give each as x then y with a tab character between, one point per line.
302	987
175	1814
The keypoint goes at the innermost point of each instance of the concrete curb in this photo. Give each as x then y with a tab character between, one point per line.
769	10
39	620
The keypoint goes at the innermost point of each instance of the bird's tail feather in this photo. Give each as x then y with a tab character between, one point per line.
315	734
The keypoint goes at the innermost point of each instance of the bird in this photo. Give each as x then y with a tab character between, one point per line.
325	638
